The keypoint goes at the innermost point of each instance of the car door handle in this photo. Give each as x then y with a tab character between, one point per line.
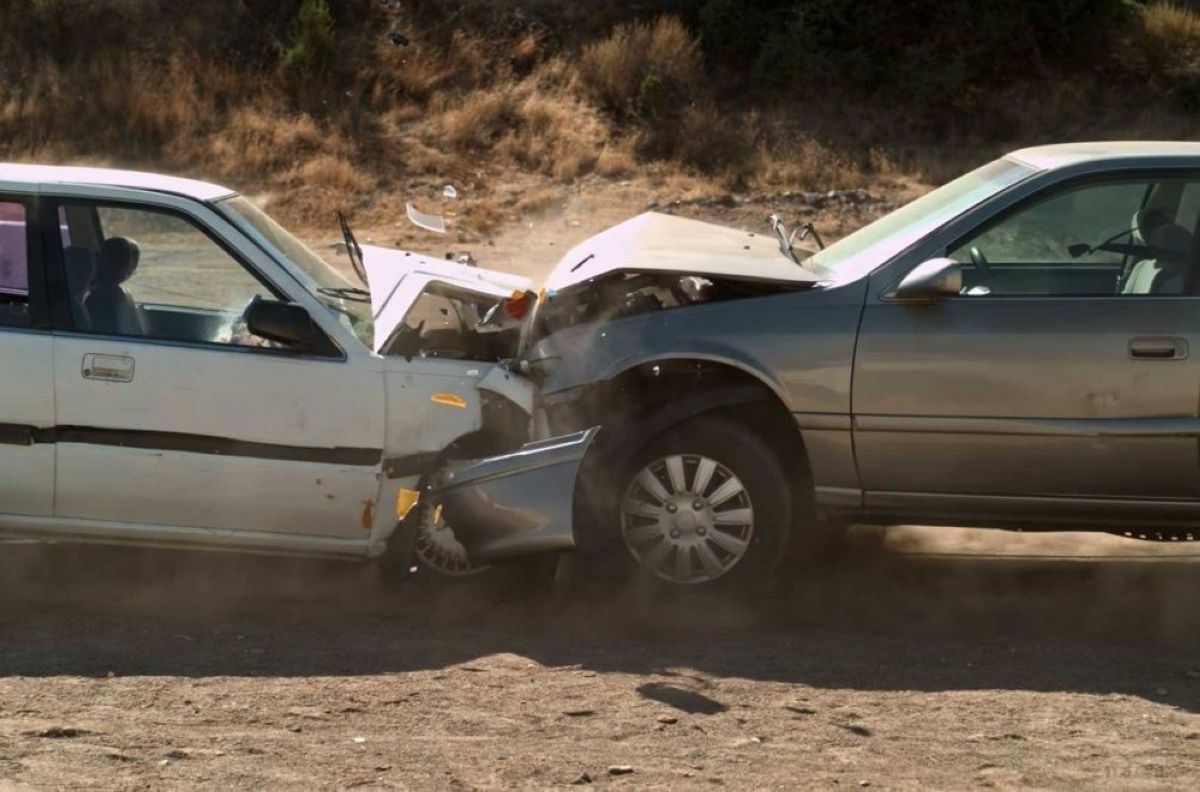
108	368
1158	348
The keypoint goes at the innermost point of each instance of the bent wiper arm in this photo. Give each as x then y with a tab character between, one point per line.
804	232
353	249
351	293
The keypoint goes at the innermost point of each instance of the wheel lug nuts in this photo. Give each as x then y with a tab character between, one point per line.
676	533
672	508
697	504
701	531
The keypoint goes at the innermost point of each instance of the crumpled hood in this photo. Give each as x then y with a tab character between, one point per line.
396	279
654	242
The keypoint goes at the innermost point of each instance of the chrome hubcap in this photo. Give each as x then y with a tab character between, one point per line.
687	518
438	549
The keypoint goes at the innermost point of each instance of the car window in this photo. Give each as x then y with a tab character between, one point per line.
14	264
1130	238
139	271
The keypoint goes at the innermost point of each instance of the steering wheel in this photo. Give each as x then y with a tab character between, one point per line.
981	264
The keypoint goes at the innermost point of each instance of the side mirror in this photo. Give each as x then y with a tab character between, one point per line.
930	280
288	324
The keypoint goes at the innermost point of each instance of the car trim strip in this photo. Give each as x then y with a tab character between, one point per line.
18	434
1059	427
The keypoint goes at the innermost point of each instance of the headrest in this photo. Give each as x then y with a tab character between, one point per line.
1170	237
118	260
81	267
1146	220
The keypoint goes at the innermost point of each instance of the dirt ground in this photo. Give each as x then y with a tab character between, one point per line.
923	658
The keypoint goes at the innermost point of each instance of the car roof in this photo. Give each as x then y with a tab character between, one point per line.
1064	154
111	177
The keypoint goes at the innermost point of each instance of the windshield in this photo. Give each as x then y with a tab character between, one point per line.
859	253
334	290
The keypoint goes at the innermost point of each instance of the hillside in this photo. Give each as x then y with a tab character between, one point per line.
548	108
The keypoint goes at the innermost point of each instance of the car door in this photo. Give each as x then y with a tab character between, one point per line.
173	421
1062	383
27	385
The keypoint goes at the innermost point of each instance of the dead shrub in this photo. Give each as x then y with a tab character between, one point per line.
320	187
258	142
714	142
1167	51
479	120
616	69
808	165
615	161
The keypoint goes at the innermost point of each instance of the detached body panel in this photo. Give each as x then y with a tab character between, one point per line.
517	503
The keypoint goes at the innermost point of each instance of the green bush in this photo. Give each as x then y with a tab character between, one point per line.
311	44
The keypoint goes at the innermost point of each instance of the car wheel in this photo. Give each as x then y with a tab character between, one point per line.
437	550
705	504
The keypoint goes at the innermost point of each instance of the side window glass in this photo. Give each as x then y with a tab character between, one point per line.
145	272
14	264
1125	238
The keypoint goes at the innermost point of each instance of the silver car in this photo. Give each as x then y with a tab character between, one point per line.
1010	350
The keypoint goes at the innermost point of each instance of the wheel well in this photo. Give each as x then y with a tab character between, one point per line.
650	398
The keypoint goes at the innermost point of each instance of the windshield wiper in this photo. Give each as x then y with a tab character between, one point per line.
353	249
351	293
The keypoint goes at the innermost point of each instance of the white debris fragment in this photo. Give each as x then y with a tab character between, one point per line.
430	222
449	192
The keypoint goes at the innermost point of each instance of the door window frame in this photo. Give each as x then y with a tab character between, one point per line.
61	320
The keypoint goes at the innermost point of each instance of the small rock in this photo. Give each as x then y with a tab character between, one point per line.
579	713
668	719
360	740
619	770
864	783
746	741
584	778
178	753
164	762
61	733
383	768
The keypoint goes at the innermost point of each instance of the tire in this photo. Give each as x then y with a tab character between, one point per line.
698	537
430	560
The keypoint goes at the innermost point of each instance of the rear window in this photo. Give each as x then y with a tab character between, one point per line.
14	257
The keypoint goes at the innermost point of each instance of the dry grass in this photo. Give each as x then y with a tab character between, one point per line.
258	142
1169	45
809	165
616	161
484	217
615	68
537	200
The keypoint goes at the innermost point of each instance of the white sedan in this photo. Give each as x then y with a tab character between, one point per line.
181	371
